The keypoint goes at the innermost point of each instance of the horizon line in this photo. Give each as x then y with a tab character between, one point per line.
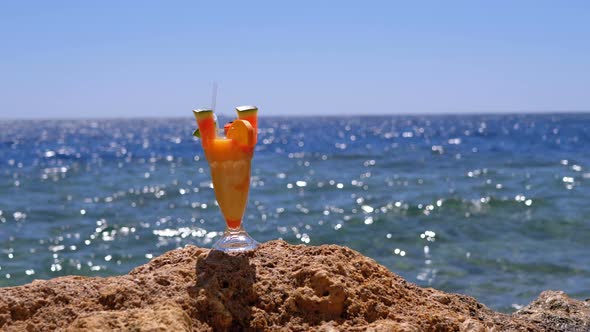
411	114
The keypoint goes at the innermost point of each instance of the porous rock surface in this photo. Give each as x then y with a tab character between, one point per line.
555	311
276	287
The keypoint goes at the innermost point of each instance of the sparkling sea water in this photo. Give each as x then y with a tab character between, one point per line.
493	206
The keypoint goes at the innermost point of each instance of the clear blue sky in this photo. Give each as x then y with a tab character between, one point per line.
159	58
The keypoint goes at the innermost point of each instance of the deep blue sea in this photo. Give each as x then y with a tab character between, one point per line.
493	206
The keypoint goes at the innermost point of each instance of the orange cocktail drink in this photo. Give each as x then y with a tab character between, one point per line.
230	171
230	160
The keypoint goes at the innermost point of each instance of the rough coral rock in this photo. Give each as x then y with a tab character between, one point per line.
555	311
168	317
276	287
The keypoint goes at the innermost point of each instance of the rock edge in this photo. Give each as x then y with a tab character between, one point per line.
276	287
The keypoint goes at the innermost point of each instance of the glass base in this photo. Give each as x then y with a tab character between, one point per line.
235	240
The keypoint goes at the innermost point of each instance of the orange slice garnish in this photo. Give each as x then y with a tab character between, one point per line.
242	132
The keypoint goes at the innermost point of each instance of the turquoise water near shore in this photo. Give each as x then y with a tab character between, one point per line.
493	206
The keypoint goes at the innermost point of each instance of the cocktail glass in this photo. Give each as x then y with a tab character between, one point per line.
230	160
